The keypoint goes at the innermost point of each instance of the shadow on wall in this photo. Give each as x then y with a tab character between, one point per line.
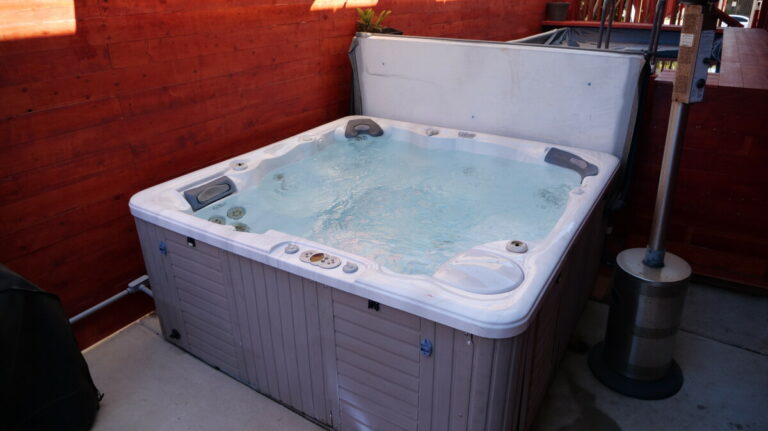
146	90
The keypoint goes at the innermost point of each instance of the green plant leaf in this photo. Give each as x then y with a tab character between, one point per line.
368	21
380	21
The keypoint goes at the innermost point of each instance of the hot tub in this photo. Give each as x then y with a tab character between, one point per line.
379	274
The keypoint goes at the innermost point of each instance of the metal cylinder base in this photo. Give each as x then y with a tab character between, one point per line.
665	387
646	305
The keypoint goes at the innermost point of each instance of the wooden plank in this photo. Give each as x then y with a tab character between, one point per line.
180	260
301	348
160	290
315	349
373	400
218	347
289	337
250	336
328	343
461	379
355	418
377	354
394	374
276	329
379	381
356	328
187	290
260	303
388	314
499	405
479	409
443	378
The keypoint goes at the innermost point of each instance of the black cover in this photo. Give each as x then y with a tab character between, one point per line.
44	379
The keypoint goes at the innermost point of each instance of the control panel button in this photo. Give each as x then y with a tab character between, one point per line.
304	257
317	258
349	267
291	248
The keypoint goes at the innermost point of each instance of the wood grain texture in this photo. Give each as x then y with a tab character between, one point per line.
717	222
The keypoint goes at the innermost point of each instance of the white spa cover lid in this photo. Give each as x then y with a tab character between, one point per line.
567	96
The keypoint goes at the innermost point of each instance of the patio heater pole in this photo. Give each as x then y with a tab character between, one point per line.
635	358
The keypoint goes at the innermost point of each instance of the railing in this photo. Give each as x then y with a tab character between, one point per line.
638	11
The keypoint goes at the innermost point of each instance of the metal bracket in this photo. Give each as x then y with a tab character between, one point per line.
163	248
425	347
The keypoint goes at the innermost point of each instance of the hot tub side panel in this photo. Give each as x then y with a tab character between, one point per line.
352	364
198	309
387	380
278	323
558	314
289	323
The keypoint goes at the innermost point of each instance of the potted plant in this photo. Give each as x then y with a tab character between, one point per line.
367	21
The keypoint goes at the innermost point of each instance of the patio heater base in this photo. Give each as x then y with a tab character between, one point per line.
659	389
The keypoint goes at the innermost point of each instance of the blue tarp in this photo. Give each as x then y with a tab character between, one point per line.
622	39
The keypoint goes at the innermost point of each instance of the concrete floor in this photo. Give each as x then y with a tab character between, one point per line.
150	384
722	348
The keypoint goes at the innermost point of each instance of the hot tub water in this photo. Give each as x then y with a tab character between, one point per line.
408	208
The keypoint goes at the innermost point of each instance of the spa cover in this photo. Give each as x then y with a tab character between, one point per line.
622	39
580	98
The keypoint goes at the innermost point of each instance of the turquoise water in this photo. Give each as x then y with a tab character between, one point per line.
410	209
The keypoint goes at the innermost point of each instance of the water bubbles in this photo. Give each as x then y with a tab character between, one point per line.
406	207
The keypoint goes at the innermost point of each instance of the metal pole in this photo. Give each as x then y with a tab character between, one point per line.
658	22
678	115
602	25
610	23
146	290
636	357
137	285
99	306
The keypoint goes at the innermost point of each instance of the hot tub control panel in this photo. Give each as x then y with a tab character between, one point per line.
318	258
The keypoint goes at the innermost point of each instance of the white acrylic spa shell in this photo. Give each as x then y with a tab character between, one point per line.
446	297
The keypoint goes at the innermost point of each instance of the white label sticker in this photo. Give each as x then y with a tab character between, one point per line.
686	39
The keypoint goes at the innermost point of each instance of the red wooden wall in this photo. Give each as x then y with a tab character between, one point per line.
146	90
718	221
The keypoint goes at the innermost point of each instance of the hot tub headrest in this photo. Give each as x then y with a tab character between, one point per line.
208	193
362	125
571	161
